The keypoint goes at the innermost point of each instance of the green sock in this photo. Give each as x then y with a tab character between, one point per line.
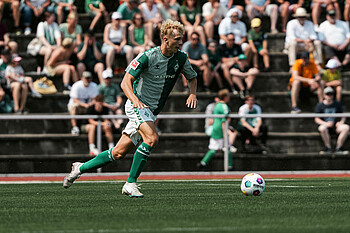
139	162
100	160
208	156
230	160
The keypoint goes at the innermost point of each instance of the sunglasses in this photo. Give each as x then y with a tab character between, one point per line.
329	93
234	16
196	38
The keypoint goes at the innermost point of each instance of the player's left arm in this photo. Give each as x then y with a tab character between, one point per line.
192	98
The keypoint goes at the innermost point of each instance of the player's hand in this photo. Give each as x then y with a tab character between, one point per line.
138	104
192	101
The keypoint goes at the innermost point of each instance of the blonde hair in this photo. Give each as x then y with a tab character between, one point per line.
169	26
72	15
67	42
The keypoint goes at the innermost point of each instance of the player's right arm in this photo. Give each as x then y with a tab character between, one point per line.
126	86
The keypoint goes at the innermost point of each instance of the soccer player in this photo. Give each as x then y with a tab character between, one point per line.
147	83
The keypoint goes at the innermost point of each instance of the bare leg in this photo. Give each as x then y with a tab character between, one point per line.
295	92
24	95
16	94
343	131
95	20
325	135
91	130
98	70
110	58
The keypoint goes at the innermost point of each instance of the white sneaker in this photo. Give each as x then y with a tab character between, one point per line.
27	31
75	130
131	190
73	175
233	149
36	94
94	151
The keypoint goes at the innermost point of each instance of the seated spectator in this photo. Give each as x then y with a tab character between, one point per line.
229	56
329	125
316	7
232	25
258	8
331	77
252	129
16	14
347	11
5	60
301	36
213	12
304	75
190	15
50	36
217	137
71	29
36	7
97	108
288	7
115	42
15	73
258	44
215	63
243	75
62	8
59	64
6	104
335	37
97	9
127	9
228	4
138	36
198	57
150	12
81	96
112	97
5	41
90	56
168	11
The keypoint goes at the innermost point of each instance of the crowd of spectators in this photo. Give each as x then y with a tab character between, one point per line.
226	41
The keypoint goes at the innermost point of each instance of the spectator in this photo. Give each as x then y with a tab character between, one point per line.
127	9
304	75
71	29
252	129
198	58
90	56
59	64
97	9
288	7
190	14
232	24
138	36
115	42
15	73
328	125
229	56
215	63
81	96
243	75
258	8
97	108
16	14
217	135
36	7
150	12
4	61
347	11
325	4
228	4
112	97
301	36
5	41
50	36
258	43
335	37
213	12
6	104
62	8
331	77
168	11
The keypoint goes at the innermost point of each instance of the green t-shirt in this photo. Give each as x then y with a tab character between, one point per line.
190	14
95	3
214	58
89	59
66	34
126	12
110	93
156	76
139	35
3	66
257	38
220	109
328	76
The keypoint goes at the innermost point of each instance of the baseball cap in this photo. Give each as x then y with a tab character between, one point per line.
332	64
117	15
15	57
242	57
328	90
87	74
107	74
256	22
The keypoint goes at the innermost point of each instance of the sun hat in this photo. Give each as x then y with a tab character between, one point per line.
332	64
301	12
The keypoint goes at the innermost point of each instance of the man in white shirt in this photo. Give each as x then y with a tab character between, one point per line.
81	96
301	36
335	37
232	24
213	12
258	8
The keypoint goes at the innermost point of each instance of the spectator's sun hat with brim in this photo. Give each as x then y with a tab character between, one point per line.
301	12
107	74
232	11
332	64
15	57
117	15
242	57
255	23
328	90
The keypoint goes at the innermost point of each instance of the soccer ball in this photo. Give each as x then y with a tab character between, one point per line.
253	184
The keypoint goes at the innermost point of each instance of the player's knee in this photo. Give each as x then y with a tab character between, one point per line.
152	140
117	154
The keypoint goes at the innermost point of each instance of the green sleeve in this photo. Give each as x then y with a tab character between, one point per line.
138	65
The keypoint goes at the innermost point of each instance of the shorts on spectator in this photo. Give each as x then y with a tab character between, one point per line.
51	71
107	47
268	9
80	109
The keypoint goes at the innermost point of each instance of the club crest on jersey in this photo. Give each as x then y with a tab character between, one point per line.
134	64
176	67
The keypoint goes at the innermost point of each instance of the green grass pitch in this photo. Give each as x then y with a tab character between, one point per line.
287	205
